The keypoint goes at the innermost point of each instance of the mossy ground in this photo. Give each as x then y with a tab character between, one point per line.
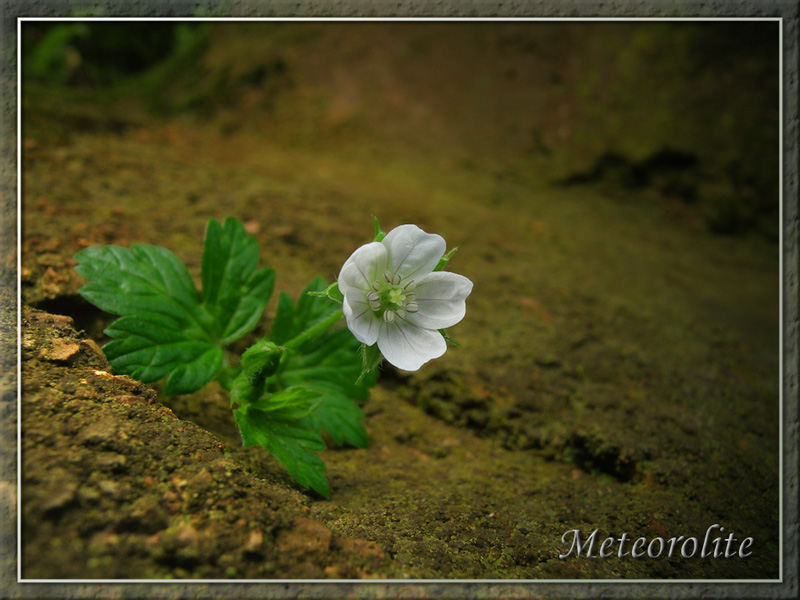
618	366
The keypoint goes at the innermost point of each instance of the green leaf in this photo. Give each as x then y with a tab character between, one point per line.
309	309
148	351
235	290
283	324
291	320
338	416
330	365
312	390
292	442
142	281
334	359
291	404
163	332
226	375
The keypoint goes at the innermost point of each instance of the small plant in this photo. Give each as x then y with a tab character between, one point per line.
307	377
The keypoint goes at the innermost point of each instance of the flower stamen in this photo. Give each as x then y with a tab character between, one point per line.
374	300
391	298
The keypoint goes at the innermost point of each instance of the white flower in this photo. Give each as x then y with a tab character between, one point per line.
393	297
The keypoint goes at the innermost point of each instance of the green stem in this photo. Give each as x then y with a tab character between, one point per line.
314	331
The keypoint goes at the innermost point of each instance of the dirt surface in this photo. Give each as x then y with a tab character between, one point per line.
618	368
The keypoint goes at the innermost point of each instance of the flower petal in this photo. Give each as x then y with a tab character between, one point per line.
363	267
407	346
412	252
361	320
441	299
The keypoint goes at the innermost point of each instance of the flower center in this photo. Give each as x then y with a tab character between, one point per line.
391	297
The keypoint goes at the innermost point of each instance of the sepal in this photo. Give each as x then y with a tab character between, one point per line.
331	292
444	260
371	359
448	338
379	234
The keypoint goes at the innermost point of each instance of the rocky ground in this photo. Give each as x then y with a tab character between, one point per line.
618	367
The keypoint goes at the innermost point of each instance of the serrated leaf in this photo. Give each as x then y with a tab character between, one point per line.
235	290
338	416
192	376
312	391
329	365
293	443
284	319
334	359
148	351
145	281
165	330
294	403
310	309
291	320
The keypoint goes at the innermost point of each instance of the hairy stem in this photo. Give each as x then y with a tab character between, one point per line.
314	331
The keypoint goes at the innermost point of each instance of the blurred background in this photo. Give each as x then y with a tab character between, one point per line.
686	111
613	190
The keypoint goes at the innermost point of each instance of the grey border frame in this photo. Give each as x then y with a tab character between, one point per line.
786	10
